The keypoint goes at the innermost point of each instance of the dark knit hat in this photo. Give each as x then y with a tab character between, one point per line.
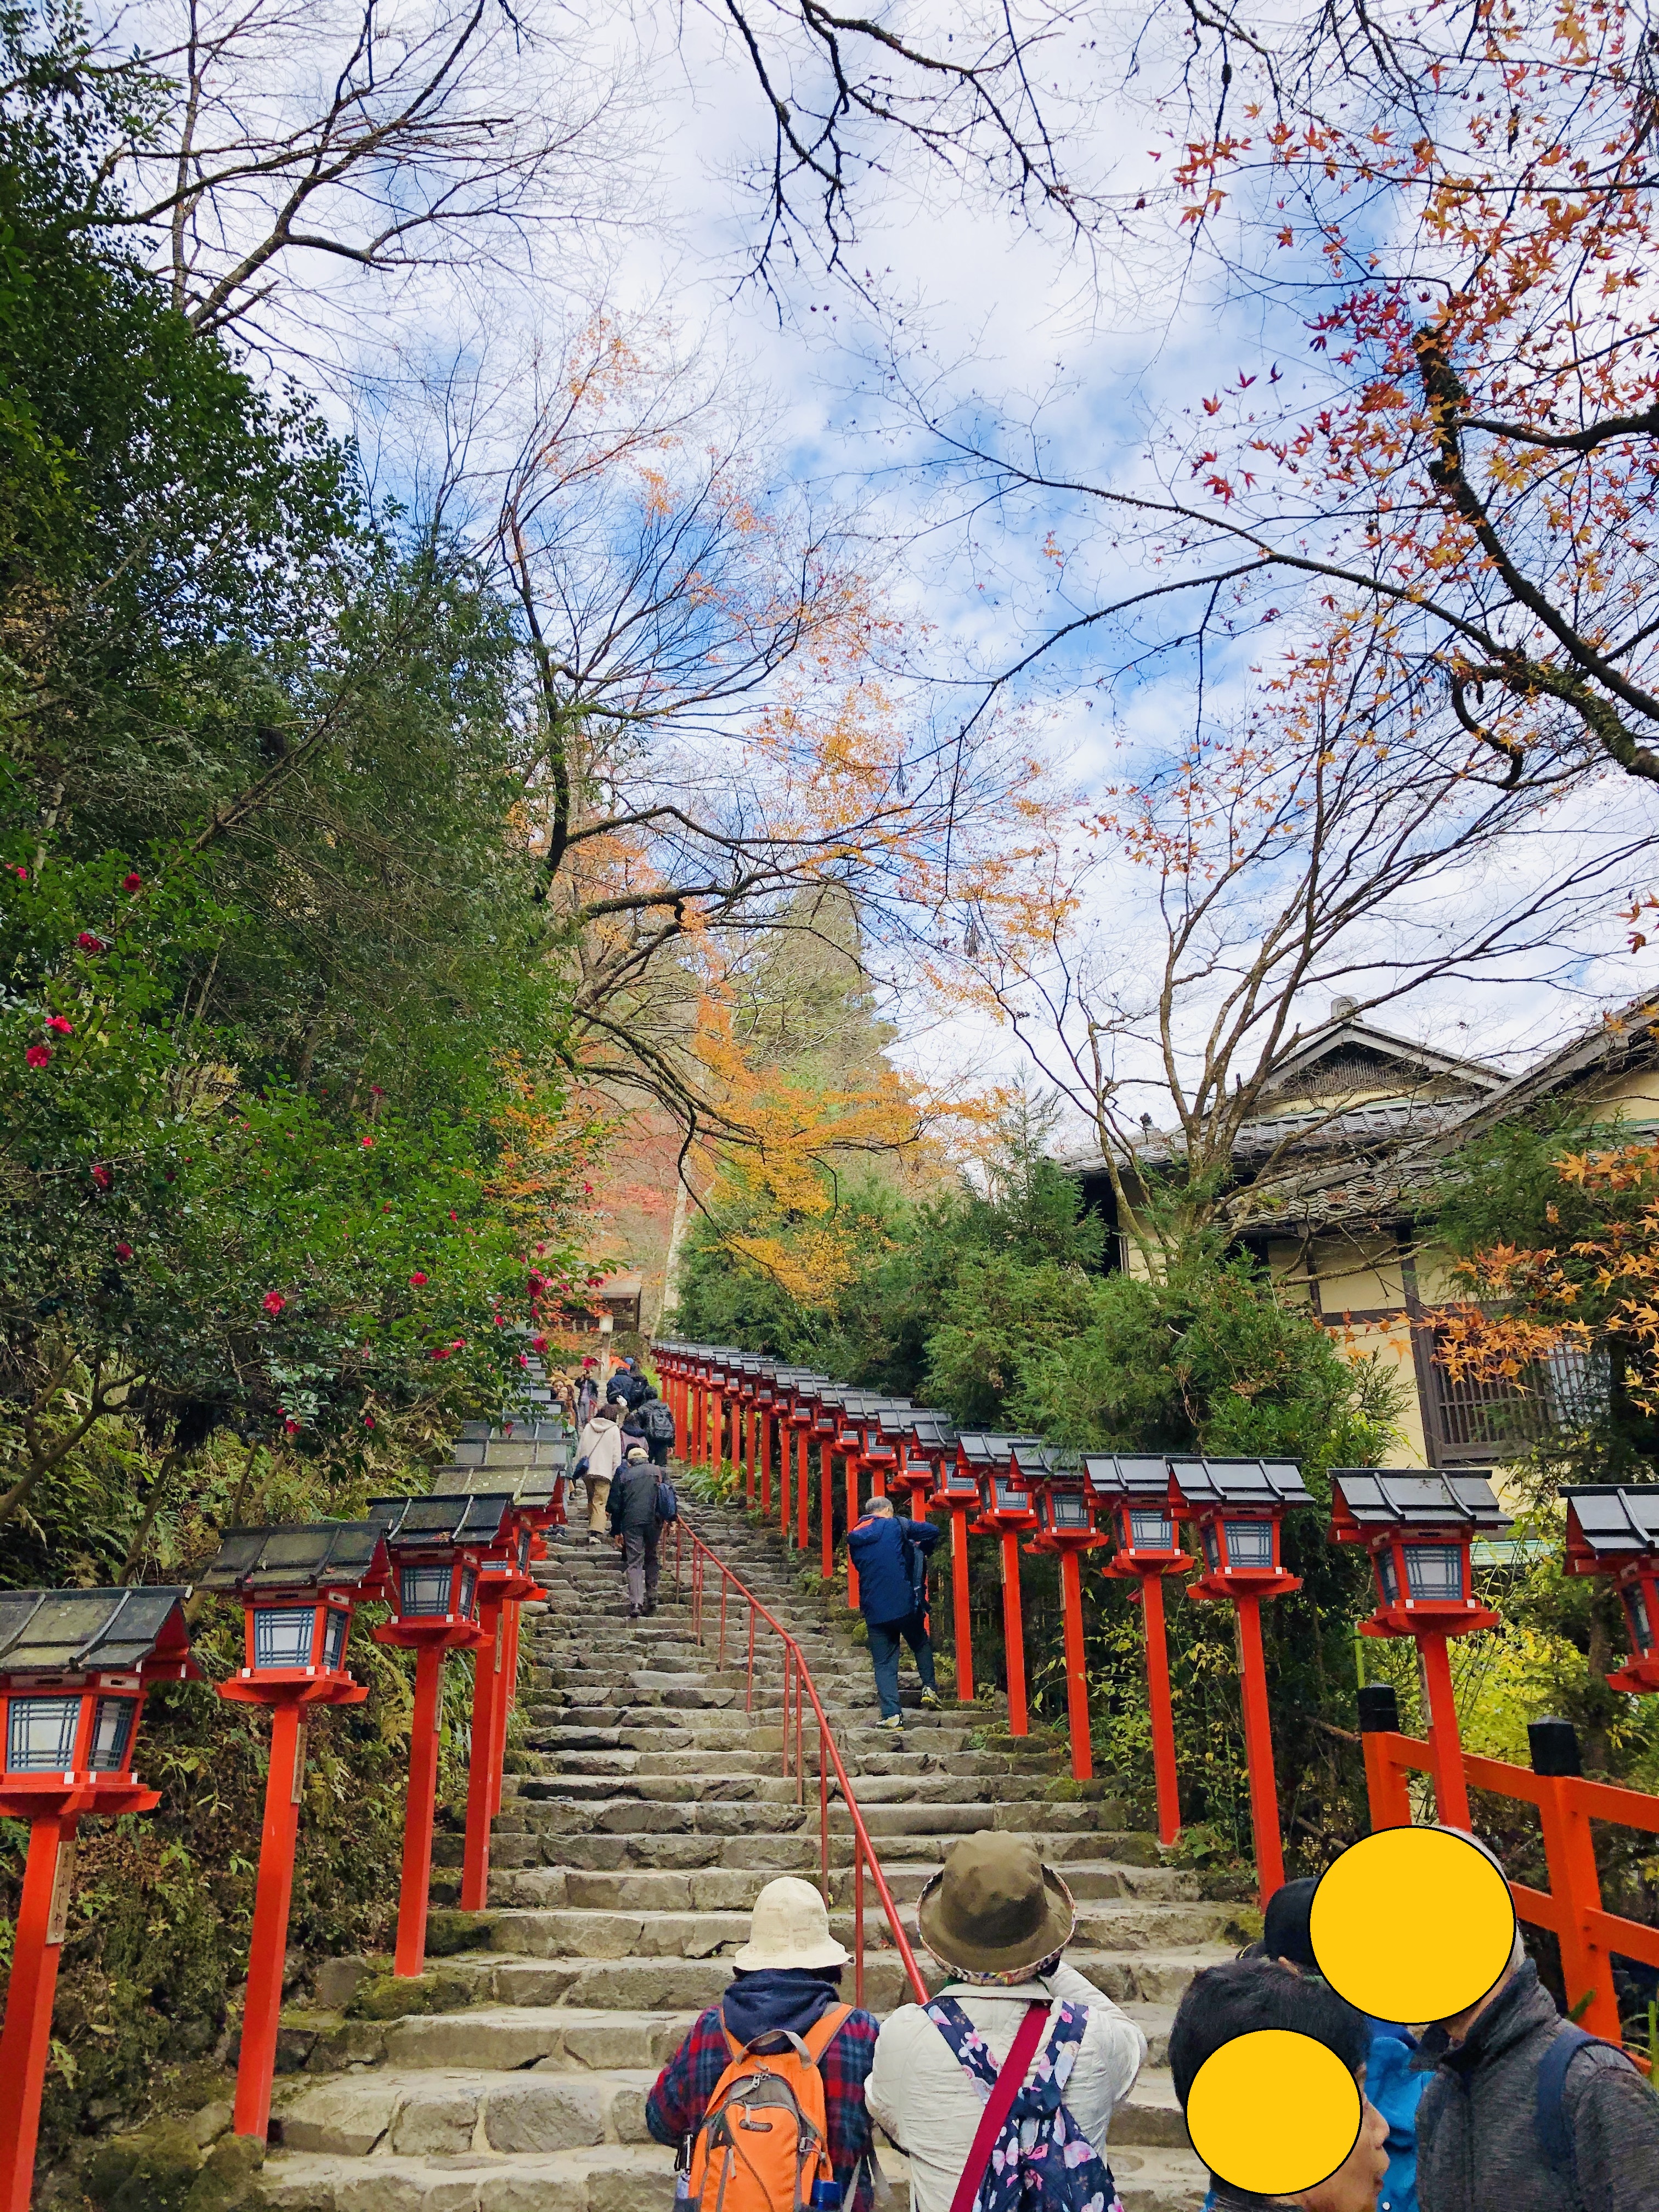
1285	1925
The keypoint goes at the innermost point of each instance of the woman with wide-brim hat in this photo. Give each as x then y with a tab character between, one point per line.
997	1919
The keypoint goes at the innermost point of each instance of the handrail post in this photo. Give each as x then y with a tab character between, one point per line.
750	1706
1569	1854
801	1770
1385	1782
720	1663
823	1816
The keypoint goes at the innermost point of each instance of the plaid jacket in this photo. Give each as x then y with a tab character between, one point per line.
676	2105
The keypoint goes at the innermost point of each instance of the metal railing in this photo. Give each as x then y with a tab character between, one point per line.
797	1680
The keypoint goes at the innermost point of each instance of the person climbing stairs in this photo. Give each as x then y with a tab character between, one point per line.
514	2074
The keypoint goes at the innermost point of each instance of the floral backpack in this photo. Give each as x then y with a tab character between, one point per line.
1039	2159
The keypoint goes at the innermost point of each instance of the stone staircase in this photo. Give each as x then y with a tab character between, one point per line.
623	1871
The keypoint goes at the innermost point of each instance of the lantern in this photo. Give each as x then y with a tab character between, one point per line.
504	1581
1005	1511
826	1427
1613	1529
297	1584
765	1410
1417	1528
1238	1507
1136	1493
743	1423
73	1669
1064	1499
799	1384
436	1547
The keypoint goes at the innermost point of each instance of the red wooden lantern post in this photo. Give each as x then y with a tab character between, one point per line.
436	1546
1238	1506
1061	1492
956	1487
1419	1529
743	1424
1005	1510
297	1584
74	1668
823	1433
1613	1528
1137	1492
765	1403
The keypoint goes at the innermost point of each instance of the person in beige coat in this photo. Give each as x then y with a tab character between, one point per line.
600	1444
997	1920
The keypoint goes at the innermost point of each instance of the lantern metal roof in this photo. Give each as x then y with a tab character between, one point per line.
1240	1482
1380	1498
297	1555
928	1431
983	1448
444	1522
1610	1523
1122	1477
1041	1463
78	1632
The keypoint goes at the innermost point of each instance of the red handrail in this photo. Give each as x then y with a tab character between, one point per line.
794	1664
1571	1908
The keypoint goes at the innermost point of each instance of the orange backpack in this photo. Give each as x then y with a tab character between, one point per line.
764	2138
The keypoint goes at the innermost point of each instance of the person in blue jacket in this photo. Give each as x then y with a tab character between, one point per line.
890	1556
1390	2084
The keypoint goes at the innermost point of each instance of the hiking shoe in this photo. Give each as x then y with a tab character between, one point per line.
930	1700
896	1726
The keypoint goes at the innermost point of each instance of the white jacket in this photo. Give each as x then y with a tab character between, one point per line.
600	1444
920	2094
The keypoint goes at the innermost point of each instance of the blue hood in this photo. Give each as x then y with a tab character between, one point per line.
775	1998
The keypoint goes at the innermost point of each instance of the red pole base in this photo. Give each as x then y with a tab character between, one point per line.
488	1683
1077	1679
415	1896
963	1613
1162	1708
26	2042
1013	1634
268	1948
1259	1749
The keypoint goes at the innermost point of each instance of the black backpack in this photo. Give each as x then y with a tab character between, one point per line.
1550	2118
657	1419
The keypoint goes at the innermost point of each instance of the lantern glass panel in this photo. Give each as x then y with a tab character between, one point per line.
112	1733
423	1593
469	1584
40	1734
1150	1531
334	1639
1069	1509
1387	1576
1009	1500
1249	1543
1641	1624
1212	1549
281	1635
1435	1571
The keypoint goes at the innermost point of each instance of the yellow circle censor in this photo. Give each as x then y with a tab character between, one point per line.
1412	1925
1274	2112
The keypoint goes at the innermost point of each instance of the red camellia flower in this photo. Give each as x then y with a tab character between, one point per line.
459	1344
368	1143
417	1279
102	1175
135	882
524	1359
124	1251
291	1425
375	1091
89	943
61	1023
452	1213
38	1055
273	1303
22	874
369	1420
538	1343
439	1351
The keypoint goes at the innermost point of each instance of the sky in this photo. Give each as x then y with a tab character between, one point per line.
996	321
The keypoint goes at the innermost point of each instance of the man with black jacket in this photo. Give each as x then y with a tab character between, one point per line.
1490	2140
890	1556
634	1527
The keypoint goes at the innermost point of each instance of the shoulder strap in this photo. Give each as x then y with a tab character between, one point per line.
825	2030
997	2106
1550	2110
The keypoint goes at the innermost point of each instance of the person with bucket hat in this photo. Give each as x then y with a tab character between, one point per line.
1018	2054
786	1978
